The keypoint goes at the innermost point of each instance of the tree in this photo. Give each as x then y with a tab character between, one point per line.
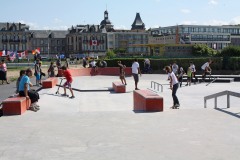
203	50
231	51
110	54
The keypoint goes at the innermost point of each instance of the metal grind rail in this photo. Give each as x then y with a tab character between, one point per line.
216	95
155	85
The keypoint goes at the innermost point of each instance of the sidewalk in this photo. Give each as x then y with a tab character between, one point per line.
103	126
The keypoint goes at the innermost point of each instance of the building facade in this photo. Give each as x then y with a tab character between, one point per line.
14	37
216	37
50	42
96	40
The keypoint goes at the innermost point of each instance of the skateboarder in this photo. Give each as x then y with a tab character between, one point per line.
173	86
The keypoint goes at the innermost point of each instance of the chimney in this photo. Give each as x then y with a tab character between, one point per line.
19	28
7	26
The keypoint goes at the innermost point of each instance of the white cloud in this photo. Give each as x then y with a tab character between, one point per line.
235	20
185	11
120	27
57	20
213	2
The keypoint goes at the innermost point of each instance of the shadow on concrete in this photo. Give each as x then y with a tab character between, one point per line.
227	112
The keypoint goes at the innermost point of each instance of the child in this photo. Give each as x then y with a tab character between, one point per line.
189	76
68	83
173	86
122	72
180	77
51	70
22	73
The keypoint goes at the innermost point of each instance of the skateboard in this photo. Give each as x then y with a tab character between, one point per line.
174	107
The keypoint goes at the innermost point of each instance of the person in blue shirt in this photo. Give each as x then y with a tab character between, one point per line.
24	90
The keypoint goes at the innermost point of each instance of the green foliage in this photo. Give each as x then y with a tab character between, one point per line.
159	64
232	63
231	51
203	50
120	50
110	54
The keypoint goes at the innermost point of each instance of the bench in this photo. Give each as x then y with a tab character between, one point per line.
118	87
148	101
15	105
50	82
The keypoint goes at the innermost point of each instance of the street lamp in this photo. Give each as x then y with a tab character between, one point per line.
48	33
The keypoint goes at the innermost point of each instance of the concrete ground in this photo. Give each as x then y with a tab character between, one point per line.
102	125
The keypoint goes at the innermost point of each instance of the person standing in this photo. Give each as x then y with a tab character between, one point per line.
84	62
94	65
193	68
51	72
3	69
180	77
122	72
189	76
175	68
37	73
68	83
135	72
173	86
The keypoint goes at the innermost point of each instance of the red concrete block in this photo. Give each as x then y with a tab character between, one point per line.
145	100
119	87
15	106
113	71
50	82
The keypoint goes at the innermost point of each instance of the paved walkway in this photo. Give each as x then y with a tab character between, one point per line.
103	126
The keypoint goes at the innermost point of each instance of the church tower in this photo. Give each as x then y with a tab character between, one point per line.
106	23
138	23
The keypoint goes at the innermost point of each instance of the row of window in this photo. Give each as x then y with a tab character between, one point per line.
14	47
172	30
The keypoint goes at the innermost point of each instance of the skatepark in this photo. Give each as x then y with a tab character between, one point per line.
101	124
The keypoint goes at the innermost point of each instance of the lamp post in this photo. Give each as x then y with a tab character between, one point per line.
48	32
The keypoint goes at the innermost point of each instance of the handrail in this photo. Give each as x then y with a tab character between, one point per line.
216	95
158	84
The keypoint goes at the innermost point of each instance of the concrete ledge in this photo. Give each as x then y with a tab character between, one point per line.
111	71
148	101
15	105
119	87
50	82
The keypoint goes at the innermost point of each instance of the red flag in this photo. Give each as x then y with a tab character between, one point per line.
0	53
94	42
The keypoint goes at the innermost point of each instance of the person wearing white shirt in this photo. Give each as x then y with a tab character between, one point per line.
193	68
135	72
173	86
206	69
94	65
175	68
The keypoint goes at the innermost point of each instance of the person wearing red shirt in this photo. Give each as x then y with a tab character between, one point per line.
68	83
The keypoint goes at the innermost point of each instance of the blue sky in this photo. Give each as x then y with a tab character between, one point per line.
62	14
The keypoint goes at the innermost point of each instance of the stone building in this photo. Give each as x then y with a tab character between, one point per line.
14	37
50	42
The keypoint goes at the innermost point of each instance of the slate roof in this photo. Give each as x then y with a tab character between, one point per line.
138	23
6	26
52	33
